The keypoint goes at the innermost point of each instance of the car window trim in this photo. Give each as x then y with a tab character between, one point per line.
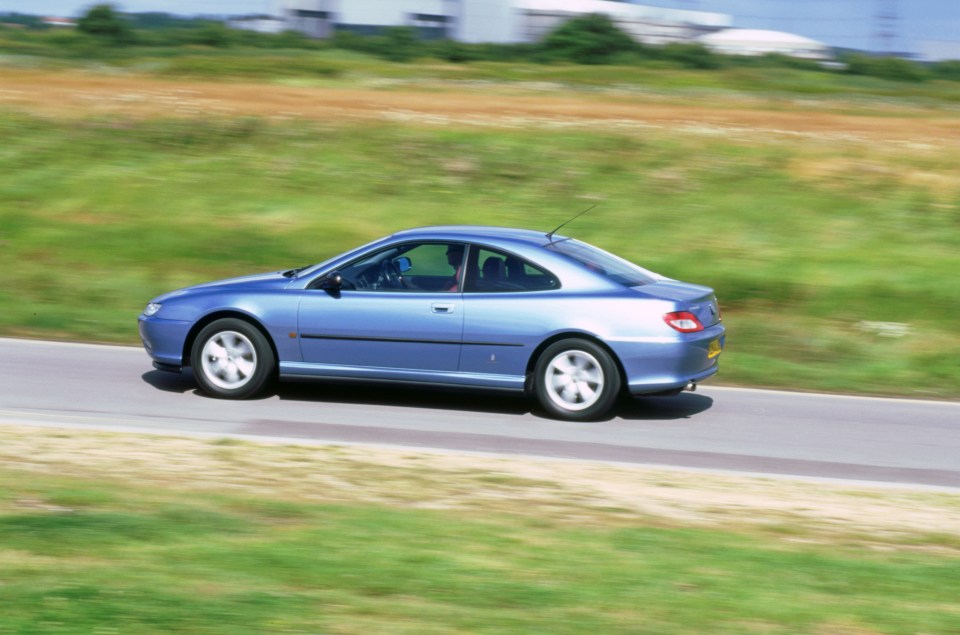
522	259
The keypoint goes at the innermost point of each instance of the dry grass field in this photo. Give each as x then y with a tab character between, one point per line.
565	491
84	94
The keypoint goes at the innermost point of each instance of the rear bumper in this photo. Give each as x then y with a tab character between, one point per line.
662	365
646	388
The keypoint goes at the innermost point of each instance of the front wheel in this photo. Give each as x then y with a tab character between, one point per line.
232	359
576	380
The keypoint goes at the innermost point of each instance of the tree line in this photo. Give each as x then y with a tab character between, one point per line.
587	39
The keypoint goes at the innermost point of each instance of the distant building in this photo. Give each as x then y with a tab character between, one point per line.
59	22
502	21
759	42
260	24
939	50
647	24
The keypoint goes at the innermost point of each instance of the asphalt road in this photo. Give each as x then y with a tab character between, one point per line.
754	431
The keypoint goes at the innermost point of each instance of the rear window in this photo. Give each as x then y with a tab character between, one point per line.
491	271
595	259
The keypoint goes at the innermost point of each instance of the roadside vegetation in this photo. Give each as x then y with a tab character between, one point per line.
105	533
832	243
834	260
103	32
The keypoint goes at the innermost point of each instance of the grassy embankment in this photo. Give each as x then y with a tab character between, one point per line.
103	533
810	237
804	236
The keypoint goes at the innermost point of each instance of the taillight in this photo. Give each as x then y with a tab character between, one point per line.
683	321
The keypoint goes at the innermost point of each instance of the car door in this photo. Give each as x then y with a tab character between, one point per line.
381	318
508	305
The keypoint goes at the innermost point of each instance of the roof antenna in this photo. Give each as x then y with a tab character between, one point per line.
550	235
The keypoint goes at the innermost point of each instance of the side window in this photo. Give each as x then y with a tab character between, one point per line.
498	272
433	267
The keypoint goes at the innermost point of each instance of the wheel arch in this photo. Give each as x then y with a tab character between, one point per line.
528	384
219	315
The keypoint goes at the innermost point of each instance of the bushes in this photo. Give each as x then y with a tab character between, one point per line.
690	56
263	66
589	39
103	22
21	20
887	67
396	44
214	34
947	70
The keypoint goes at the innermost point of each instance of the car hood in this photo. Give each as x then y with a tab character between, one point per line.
273	280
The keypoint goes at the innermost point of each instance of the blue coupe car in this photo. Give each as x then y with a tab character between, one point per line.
480	307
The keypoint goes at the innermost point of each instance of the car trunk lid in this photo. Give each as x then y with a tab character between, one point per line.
698	300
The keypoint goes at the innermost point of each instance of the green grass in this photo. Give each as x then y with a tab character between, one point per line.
192	549
803	239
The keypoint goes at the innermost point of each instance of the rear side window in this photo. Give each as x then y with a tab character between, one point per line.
613	267
492	271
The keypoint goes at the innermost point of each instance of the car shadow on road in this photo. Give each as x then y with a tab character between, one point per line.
404	396
171	382
682	406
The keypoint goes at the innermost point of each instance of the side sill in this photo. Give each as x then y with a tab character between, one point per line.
301	370
335	380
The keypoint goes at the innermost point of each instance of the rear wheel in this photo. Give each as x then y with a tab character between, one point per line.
232	359
576	380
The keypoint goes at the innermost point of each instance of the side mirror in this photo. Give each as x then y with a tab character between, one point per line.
332	280
403	264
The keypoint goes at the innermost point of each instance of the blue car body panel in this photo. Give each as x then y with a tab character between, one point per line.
403	330
479	339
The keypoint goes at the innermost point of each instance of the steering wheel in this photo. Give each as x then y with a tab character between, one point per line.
389	277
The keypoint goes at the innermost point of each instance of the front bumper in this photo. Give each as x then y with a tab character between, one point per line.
164	341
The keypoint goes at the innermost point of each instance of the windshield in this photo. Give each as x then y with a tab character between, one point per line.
604	263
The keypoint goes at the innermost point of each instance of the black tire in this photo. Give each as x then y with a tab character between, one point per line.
576	380
232	359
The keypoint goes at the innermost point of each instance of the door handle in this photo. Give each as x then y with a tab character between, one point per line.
441	308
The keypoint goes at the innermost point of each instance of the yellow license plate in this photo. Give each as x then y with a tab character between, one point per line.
714	349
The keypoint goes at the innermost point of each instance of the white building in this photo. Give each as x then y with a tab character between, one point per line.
502	21
758	42
320	18
59	22
650	25
260	24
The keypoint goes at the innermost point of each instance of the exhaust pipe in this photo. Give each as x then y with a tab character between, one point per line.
691	387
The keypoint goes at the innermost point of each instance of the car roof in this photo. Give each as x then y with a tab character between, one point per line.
477	232
526	243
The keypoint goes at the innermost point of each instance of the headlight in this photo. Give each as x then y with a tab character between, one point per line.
152	309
